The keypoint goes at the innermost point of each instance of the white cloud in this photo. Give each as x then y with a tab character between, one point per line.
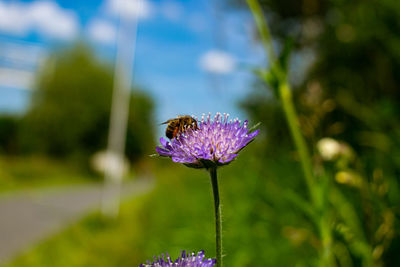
102	31
171	10
45	17
21	54
52	20
16	78
13	18
218	62
130	9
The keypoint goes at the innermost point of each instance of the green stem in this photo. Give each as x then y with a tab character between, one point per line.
286	97
263	28
217	210
292	120
316	197
318	203
326	239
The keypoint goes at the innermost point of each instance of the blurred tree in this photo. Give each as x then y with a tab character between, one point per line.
69	114
8	134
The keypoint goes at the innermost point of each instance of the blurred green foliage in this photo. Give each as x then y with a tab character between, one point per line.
353	82
24	172
350	92
70	111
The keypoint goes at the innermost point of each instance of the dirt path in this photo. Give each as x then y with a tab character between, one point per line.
29	216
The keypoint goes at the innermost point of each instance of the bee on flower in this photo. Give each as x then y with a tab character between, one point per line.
213	142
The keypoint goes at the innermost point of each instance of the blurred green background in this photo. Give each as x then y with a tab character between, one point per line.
348	111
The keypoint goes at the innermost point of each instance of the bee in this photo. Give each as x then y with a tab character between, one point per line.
179	125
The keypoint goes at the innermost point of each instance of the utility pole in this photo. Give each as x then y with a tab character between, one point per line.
126	45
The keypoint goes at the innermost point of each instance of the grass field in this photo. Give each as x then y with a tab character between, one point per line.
265	221
178	215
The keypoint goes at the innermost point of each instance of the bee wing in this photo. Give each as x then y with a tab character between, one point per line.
166	122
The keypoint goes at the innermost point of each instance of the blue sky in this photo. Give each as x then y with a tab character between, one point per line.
192	57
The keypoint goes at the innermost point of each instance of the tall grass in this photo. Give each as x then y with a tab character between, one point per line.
341	231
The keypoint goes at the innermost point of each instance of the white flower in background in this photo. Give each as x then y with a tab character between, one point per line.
329	148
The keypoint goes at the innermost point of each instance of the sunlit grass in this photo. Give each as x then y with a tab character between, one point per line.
178	215
264	223
171	218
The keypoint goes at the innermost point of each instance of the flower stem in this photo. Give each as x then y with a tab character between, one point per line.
263	28
292	120
318	194
217	210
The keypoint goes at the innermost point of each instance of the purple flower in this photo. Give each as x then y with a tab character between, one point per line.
216	142
184	260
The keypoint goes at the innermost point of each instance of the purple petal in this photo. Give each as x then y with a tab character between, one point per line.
254	134
164	142
163	152
184	260
229	158
179	159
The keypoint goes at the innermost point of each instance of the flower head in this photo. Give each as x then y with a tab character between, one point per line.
216	142
329	148
184	260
